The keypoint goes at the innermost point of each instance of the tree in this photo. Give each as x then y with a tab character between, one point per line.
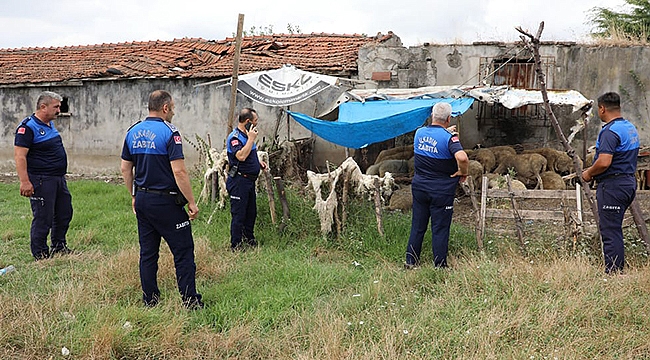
634	24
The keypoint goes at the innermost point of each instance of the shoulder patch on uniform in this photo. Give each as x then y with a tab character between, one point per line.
136	123
178	139
234	141
454	138
21	130
171	126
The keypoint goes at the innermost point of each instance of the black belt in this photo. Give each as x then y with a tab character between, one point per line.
611	176
159	192
248	176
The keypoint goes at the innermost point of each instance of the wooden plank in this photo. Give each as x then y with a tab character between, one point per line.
526	214
533	194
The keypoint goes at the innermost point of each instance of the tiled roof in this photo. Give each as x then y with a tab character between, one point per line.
186	58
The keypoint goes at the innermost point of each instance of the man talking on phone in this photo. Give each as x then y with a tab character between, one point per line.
244	169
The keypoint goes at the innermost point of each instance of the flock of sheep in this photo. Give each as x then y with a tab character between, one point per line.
540	168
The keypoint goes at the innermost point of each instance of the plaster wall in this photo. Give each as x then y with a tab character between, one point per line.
102	111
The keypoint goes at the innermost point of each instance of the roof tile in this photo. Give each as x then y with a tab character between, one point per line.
199	58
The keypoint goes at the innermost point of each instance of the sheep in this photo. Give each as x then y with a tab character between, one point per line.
475	171
402	199
527	166
501	151
373	170
552	181
485	157
557	161
393	167
398	153
589	159
499	182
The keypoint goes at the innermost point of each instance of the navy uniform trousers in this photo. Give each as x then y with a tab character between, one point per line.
440	209
52	209
158	215
614	196
243	207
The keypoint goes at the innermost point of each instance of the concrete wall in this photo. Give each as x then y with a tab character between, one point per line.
590	70
102	111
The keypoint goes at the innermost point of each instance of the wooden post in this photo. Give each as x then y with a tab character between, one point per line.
519	224
235	72
380	226
484	189
637	214
283	200
344	199
269	190
468	186
214	179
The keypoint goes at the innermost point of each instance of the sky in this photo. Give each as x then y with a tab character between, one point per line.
40	23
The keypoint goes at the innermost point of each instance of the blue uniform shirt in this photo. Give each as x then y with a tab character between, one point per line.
150	145
235	142
434	149
620	139
46	154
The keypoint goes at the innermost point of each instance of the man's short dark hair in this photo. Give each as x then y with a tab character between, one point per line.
247	114
158	99
610	100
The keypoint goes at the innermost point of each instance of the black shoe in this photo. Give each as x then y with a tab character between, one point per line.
194	304
42	256
410	266
64	250
151	303
251	242
238	248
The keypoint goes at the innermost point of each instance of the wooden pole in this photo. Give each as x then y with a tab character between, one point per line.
235	72
519	224
279	184
269	190
484	189
344	199
380	225
637	214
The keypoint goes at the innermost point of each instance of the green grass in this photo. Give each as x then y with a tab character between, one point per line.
302	295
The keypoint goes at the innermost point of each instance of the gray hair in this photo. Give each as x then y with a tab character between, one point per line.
440	112
46	97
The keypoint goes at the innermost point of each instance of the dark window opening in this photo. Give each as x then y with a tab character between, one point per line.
518	72
65	106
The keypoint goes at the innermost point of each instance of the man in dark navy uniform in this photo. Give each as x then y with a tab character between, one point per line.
440	163
41	164
244	169
614	168
160	187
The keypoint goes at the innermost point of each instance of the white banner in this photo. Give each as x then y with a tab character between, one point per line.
284	86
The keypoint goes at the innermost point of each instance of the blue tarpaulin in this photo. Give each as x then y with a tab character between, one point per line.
364	123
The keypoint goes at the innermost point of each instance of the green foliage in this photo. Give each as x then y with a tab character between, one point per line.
268	30
302	295
633	24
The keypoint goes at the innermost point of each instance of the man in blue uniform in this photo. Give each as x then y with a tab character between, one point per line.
160	187
440	163
244	169
41	164
614	168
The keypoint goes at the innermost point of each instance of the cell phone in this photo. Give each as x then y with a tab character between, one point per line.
248	126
